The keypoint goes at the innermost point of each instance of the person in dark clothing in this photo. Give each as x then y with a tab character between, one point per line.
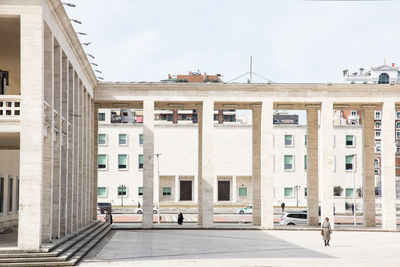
138	205
109	218
283	206
352	208
180	218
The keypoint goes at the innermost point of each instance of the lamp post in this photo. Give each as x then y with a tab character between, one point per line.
297	194
158	187
122	189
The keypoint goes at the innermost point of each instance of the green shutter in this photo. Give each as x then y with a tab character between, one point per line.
349	192
122	139
288	191
101	191
122	159
102	159
242	191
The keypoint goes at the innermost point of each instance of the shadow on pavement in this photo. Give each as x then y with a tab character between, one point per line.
195	244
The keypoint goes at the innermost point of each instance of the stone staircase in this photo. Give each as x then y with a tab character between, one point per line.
67	251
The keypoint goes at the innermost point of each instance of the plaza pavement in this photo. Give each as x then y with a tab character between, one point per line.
244	248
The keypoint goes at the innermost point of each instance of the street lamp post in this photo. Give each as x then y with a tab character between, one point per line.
297	195
354	189
122	189
158	187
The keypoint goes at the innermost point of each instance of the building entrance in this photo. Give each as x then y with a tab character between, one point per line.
224	190
186	190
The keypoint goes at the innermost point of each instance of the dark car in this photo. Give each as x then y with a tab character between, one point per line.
104	206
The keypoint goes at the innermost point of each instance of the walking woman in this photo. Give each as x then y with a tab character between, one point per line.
326	231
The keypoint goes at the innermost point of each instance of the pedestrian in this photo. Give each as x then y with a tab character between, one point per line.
180	218
283	206
326	231
109	218
138	205
352	208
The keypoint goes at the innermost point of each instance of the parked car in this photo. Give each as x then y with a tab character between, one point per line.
102	207
293	218
246	210
140	210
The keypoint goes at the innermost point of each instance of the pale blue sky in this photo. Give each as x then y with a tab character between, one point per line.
290	40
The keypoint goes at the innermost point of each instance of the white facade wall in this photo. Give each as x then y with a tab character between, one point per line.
177	146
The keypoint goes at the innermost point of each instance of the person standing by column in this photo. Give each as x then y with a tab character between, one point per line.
283	206
326	231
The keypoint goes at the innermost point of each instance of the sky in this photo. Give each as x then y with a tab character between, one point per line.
291	41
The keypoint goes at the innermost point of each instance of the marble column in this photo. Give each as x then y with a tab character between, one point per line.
234	189
312	166
31	136
177	192
326	172
368	162
262	167
205	164
388	175
148	162
46	202
70	144
95	153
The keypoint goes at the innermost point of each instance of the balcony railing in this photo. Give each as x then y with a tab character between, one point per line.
10	107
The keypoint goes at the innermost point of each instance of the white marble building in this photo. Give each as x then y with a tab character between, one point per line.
121	146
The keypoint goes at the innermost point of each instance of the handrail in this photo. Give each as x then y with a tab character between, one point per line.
10	107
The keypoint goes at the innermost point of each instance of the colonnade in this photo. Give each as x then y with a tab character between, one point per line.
319	156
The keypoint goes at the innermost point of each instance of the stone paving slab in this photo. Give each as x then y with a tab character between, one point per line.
244	249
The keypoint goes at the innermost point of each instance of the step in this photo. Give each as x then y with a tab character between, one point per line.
60	249
75	255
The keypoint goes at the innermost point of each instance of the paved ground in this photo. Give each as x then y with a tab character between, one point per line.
221	218
244	248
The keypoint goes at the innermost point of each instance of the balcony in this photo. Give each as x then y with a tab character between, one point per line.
10	108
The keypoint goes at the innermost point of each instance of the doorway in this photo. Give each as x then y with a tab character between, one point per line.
224	188
185	190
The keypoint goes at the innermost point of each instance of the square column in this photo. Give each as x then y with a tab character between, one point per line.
234	189
388	174
312	166
31	138
327	161
148	163
176	193
205	164
368	162
262	180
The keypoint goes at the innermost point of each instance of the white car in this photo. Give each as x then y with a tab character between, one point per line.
293	218
246	210
140	210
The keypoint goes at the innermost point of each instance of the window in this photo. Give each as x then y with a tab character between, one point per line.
288	191
122	161
140	161
398	125
349	140
242	191
349	192
123	139
140	139
140	191
102	139
383	78
102	191
377	147
377	134
349	163
102	161
305	140
376	163
377	125
102	116
1	194
354	113
398	134
398	115
305	191
288	162
10	193
288	140
122	190
376	172
305	162
377	115
166	191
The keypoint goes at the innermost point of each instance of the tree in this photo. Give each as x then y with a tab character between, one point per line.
337	191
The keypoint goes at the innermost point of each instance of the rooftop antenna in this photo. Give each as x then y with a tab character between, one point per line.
251	70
